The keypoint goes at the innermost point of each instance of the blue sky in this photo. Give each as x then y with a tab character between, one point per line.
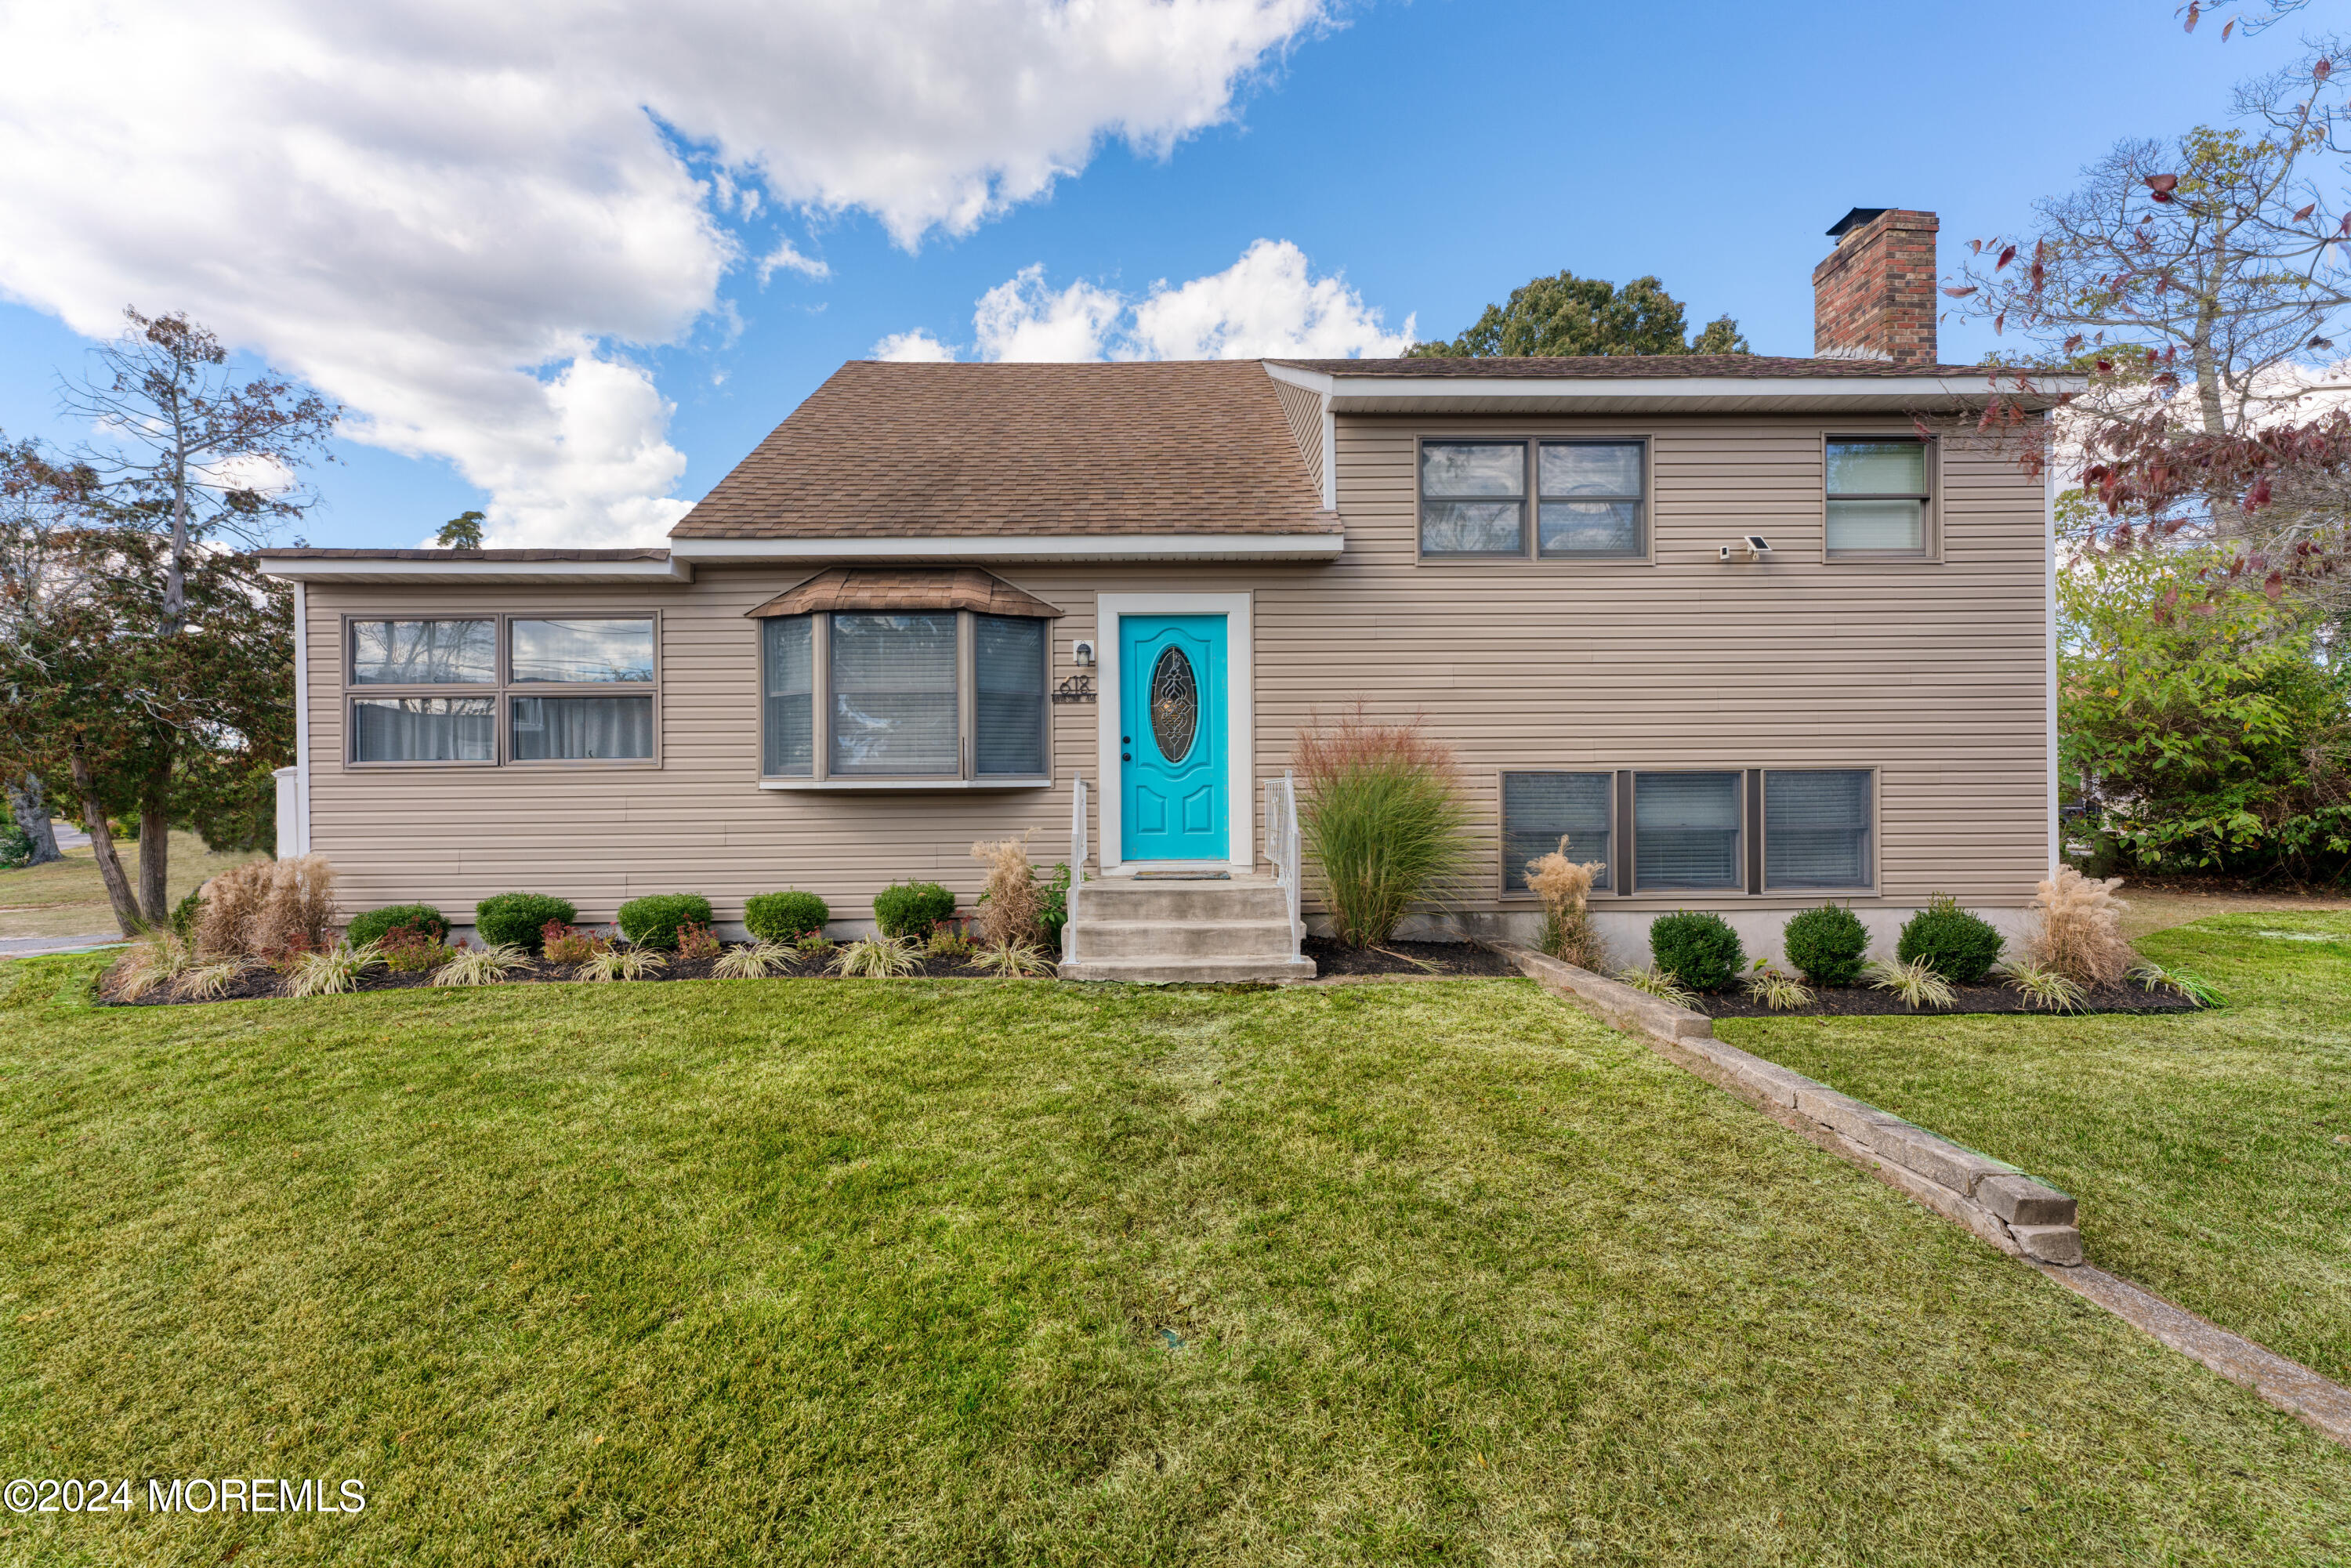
1433	154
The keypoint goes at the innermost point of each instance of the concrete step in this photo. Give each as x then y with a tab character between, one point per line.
1183	939
1188	971
1121	899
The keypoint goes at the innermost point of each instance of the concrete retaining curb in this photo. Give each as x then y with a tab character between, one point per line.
2022	1216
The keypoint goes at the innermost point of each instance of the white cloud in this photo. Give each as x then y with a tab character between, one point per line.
1264	304
1020	318
916	346
454	220
1267	304
786	258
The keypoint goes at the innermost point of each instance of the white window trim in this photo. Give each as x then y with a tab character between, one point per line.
1241	738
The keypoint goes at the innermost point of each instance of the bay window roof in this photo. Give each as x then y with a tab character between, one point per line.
889	591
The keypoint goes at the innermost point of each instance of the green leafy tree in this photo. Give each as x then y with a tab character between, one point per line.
154	668
462	531
1567	315
2202	723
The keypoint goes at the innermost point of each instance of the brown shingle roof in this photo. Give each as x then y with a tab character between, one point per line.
899	589
1630	367
899	451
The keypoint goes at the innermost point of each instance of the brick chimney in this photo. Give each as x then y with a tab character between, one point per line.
1874	296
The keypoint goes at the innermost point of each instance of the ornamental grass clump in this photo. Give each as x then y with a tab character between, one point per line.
483	965
1828	945
1010	960
1565	888
1383	814
1914	980
1010	906
755	961
2078	929
1775	990
160	960
2179	982
266	909
878	958
1659	984
2046	988
331	971
612	961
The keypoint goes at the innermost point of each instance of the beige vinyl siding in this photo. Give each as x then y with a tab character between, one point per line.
1303	409
1929	672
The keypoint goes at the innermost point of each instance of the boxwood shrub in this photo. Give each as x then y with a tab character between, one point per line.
372	926
785	917
912	909
516	917
1699	949
652	921
1956	944
1827	946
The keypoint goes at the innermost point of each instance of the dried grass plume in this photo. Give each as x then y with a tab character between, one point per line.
2079	932
1565	888
267	908
1009	908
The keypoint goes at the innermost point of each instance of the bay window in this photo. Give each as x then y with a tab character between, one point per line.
950	696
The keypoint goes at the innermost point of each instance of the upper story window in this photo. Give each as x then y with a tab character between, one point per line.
1589	499
947	695
565	712
1879	497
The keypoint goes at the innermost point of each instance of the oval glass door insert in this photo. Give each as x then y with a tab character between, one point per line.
1174	704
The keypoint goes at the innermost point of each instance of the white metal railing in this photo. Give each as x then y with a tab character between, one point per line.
1077	868
1281	847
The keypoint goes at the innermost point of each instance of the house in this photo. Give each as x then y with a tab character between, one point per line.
1755	632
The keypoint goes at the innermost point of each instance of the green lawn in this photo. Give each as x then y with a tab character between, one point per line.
783	1272
68	898
2211	1153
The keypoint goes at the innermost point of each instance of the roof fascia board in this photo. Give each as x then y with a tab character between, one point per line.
1892	388
1019	546
353	569
1318	383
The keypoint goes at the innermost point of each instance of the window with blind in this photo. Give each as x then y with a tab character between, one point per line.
488	690
1877	497
1540	808
1687	832
945	696
1816	830
1589	499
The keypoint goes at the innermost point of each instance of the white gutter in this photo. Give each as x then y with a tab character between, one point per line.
301	721
1344	390
2049	612
377	569
1017	548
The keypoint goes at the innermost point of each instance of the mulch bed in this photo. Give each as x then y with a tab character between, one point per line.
258	984
1862	1002
1427	959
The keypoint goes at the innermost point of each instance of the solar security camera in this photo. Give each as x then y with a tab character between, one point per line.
1753	546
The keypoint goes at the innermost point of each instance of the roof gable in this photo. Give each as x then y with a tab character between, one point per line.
900	451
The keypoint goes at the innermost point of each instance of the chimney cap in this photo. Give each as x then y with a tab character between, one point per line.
1855	219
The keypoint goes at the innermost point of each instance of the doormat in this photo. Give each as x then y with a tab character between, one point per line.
1183	876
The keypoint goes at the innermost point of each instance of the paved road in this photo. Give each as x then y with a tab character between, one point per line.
34	947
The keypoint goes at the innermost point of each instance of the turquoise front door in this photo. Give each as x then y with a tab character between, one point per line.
1172	782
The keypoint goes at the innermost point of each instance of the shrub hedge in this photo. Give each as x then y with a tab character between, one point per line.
1700	950
1956	944
912	909
1828	945
785	917
372	927
653	920
516	917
